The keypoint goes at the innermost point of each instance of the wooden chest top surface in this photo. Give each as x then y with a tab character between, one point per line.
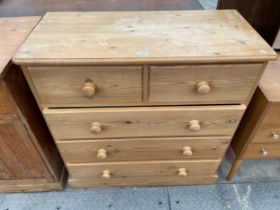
13	32
139	37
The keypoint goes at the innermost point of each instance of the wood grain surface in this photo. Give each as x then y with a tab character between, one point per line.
227	83
137	37
62	86
141	182
123	170
13	32
86	151
143	121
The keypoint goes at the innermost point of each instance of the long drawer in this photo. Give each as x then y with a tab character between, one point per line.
135	149
203	84
87	85
96	123
105	172
139	181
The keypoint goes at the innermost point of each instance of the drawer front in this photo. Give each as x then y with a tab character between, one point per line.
143	121
203	84
269	129
143	149
122	170
87	85
262	151
267	135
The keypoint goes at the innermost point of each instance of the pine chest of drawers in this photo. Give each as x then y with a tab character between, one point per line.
143	98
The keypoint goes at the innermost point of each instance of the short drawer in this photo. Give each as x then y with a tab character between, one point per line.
123	170
87	85
267	135
90	123
269	129
203	84
143	149
262	151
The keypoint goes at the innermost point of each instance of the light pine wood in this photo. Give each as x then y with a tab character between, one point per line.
123	85
110	84
123	170
66	86
13	32
118	37
208	84
143	121
143	182
136	149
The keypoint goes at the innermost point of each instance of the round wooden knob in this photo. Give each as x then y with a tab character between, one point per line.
264	152
106	174
194	125
187	151
182	172
96	127
203	87
89	89
101	154
275	135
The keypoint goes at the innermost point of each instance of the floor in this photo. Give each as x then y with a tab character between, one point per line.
254	196
255	187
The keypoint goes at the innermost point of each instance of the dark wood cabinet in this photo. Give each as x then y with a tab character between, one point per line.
263	15
29	160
